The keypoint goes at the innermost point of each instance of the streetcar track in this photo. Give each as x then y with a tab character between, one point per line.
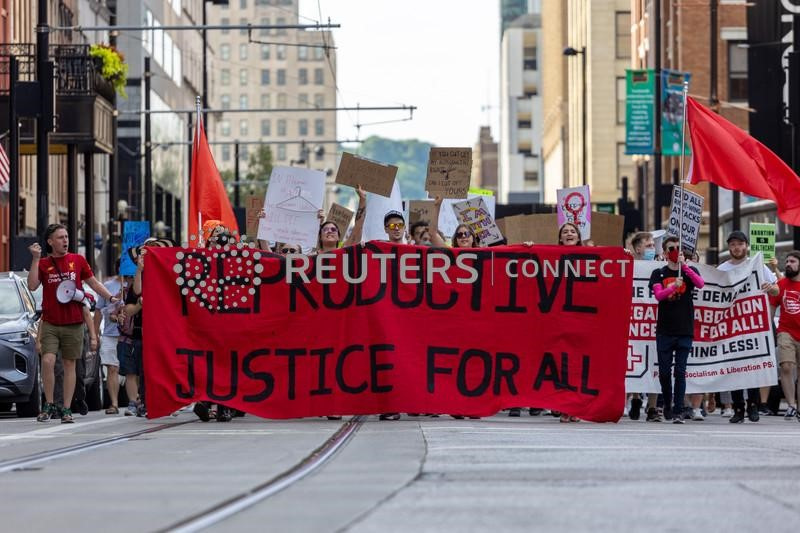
27	461
310	463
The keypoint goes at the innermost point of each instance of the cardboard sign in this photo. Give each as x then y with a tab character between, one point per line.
475	213
134	233
574	206
692	217
541	229
449	171
762	239
293	198
253	204
607	229
373	176
420	210
341	216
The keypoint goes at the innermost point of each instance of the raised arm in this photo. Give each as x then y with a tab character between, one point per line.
361	215
433	226
33	274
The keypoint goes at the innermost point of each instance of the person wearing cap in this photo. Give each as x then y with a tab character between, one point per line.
738	249
395	225
61	329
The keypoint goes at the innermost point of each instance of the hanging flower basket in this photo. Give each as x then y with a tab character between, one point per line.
112	66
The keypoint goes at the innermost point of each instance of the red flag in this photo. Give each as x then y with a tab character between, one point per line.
726	155
207	196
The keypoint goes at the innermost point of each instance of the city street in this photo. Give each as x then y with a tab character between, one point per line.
418	474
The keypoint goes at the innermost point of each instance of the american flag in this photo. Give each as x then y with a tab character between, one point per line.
5	170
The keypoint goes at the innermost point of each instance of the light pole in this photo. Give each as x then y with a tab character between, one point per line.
571	52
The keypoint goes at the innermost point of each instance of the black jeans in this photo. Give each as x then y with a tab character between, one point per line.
669	347
753	398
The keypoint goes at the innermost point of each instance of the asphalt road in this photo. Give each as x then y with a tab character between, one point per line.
418	474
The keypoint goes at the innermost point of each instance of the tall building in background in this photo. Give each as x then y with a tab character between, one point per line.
484	161
510	10
273	70
554	98
521	112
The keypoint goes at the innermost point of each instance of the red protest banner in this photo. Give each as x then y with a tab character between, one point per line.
386	328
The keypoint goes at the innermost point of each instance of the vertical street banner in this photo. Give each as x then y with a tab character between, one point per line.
574	206
293	198
640	106
762	240
381	328
134	233
692	206
672	112
733	340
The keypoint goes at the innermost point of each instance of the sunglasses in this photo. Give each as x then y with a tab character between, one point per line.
290	251
330	229
671	248
396	225
462	235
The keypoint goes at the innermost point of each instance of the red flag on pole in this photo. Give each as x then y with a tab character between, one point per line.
726	155
207	197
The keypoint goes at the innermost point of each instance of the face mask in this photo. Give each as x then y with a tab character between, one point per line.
672	255
649	254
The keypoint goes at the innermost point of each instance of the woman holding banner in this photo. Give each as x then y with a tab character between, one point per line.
463	237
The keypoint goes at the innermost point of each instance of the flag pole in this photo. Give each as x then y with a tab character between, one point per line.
683	157
197	123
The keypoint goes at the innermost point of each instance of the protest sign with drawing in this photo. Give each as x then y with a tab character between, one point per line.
762	239
293	198
341	216
449	171
475	213
373	176
574	206
692	217
419	210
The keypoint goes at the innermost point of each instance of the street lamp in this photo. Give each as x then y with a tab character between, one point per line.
571	52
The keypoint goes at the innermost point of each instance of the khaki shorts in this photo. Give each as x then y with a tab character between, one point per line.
65	339
788	349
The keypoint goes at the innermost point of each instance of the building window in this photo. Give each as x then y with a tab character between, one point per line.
266	128
264	76
282	127
319	100
319	77
242	4
281	152
280	22
281	77
225	128
225	52
225	21
264	31
302	127
243	127
737	72
243	22
281	51
243	101
302	53
319	126
531	177
226	152
319	53
243	51
225	101
282	101
243	76
264	52
243	152
302	100
302	76
623	33
529	58
266	101
523	124
225	77
621	89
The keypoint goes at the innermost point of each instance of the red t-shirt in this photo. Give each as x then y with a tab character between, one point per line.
789	300
71	266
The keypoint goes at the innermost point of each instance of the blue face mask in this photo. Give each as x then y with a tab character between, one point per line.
649	254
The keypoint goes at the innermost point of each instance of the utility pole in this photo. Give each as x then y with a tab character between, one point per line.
148	148
236	173
13	162
44	122
794	106
712	255
88	227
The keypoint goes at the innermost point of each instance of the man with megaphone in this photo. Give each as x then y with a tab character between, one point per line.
61	275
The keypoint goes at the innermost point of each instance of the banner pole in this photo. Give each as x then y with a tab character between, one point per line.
683	157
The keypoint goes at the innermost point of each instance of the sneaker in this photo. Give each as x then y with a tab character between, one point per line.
791	412
763	409
514	411
83	407
636	409
201	410
141	410
224	414
131	410
737	418
66	416
534	411
678	420
653	416
727	413
49	411
697	415
752	413
389	416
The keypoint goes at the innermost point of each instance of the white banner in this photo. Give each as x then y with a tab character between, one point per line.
293	198
733	345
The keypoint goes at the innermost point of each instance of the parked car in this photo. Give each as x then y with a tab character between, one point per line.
20	377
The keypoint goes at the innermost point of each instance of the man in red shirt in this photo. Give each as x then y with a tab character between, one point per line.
62	323
786	293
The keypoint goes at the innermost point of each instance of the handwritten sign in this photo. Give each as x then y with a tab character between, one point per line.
341	216
420	210
373	176
574	206
253	204
134	233
293	198
449	171
692	206
475	213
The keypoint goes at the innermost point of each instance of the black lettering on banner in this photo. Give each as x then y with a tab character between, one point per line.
321	389
461	379
297	285
206	264
378	296
396	284
265	377
278	277
585	378
572	279
565	373
548	371
327	298
189	374
374	367
232	383
512	306
546	298
361	387
477	287
224	282
433	369
501	373
291	354
451	301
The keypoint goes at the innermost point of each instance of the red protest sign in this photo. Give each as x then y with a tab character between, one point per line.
271	337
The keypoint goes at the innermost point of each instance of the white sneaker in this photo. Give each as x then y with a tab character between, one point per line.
727	413
697	415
